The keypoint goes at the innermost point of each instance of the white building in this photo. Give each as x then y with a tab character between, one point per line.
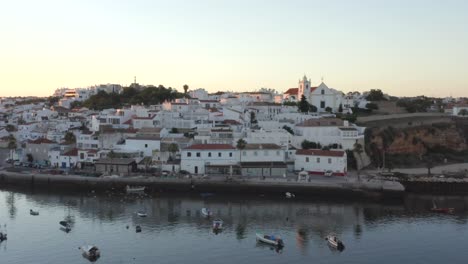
209	158
460	109
316	161
146	145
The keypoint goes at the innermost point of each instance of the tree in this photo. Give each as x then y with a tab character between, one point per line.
240	145
174	130
285	127
463	112
309	145
112	155
429	162
303	105
29	157
70	137
10	128
186	87
328	109
376	95
173	148
12	145
312	108
340	108
253	118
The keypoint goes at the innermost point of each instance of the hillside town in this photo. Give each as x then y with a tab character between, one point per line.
263	133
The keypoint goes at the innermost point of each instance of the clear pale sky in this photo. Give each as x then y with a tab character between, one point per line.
408	47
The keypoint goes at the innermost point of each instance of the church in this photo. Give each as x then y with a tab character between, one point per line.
320	96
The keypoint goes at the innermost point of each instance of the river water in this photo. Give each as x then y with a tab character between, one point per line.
176	232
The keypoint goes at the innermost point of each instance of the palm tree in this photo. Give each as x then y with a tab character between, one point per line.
186	87
241	143
11	145
173	148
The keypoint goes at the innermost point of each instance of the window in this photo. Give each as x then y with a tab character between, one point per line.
230	154
209	154
81	155
329	160
244	153
198	154
318	160
255	153
307	159
189	154
322	104
266	152
219	154
323	91
277	153
146	145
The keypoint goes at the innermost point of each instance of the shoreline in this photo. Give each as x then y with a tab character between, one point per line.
348	189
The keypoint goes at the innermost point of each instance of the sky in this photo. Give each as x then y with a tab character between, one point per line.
405	48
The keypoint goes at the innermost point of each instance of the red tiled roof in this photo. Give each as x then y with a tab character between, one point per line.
41	141
312	89
144	117
319	152
73	152
292	91
209	101
231	122
128	122
210	146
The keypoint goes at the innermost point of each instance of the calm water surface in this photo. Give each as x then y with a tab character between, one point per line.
175	232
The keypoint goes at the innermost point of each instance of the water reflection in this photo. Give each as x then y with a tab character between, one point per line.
176	222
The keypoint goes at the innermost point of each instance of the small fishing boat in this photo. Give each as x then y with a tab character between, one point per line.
334	242
206	212
142	214
65	225
270	239
32	212
289	195
90	252
3	236
443	210
217	224
138	229
135	189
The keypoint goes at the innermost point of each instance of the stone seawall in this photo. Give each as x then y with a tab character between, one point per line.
156	185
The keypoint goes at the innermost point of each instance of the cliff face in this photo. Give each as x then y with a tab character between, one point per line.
417	140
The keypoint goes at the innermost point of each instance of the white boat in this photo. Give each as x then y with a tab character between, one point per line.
90	252
66	225
142	214
217	224
270	239
334	242
206	212
289	195
135	189
32	212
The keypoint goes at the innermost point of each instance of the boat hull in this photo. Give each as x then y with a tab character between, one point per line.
267	240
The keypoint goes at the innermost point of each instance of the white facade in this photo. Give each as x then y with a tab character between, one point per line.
320	161
195	158
145	145
262	153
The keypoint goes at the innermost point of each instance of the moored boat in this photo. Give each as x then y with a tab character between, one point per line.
206	212
270	239
90	252
334	242
142	214
138	229
135	189
32	212
443	210
217	224
65	225
289	195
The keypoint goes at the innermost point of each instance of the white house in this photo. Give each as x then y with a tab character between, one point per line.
265	160
316	161
147	145
210	158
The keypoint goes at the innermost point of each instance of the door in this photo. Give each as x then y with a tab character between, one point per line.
196	169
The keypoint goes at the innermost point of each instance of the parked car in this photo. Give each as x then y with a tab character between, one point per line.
328	173
165	173
8	160
17	163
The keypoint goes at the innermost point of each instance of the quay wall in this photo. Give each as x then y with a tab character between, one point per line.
158	185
